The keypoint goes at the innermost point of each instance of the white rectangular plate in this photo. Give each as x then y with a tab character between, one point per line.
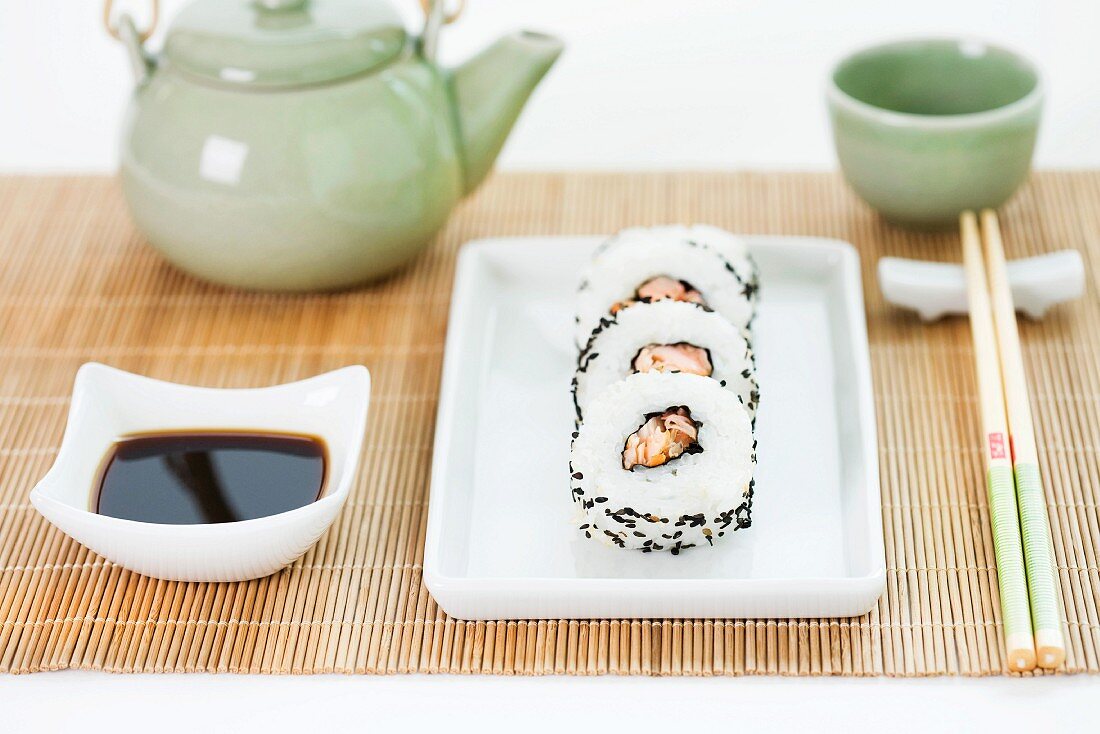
502	538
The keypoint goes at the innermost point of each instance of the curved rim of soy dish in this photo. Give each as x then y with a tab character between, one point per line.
841	98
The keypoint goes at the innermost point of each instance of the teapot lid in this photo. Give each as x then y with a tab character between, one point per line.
282	43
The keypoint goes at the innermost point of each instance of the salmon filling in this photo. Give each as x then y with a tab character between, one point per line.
662	438
678	357
662	288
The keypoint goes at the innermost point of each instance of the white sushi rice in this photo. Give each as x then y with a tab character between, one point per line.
692	500
609	355
733	248
713	261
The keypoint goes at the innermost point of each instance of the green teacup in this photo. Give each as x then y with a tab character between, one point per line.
927	128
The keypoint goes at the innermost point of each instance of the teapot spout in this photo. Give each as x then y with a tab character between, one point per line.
489	93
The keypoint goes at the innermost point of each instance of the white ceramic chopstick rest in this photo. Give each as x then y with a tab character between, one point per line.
935	289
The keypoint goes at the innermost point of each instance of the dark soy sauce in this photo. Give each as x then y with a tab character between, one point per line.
192	478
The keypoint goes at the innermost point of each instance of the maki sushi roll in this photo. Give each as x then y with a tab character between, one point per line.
733	248
701	265
666	336
663	461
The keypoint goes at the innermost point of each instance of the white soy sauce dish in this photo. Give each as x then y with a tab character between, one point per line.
109	405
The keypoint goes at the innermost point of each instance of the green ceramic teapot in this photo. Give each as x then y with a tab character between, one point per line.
310	144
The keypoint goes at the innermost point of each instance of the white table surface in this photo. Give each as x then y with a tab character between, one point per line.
645	84
82	702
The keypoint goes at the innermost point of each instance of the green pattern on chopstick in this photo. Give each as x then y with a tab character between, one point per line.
1035	527
1006	541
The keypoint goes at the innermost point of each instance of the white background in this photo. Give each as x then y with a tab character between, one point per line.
655	84
643	84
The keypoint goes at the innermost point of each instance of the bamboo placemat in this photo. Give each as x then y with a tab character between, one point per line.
77	284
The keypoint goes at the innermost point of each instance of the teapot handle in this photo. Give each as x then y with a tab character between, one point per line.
436	16
116	30
127	33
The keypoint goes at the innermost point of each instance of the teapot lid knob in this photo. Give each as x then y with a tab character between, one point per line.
280	4
280	44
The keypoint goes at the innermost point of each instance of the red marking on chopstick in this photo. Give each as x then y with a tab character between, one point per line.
1012	447
997	446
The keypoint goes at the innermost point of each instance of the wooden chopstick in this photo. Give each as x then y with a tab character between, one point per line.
1011	578
1034	523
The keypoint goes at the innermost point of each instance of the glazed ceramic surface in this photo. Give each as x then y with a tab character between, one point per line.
927	128
937	289
109	403
296	145
502	538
